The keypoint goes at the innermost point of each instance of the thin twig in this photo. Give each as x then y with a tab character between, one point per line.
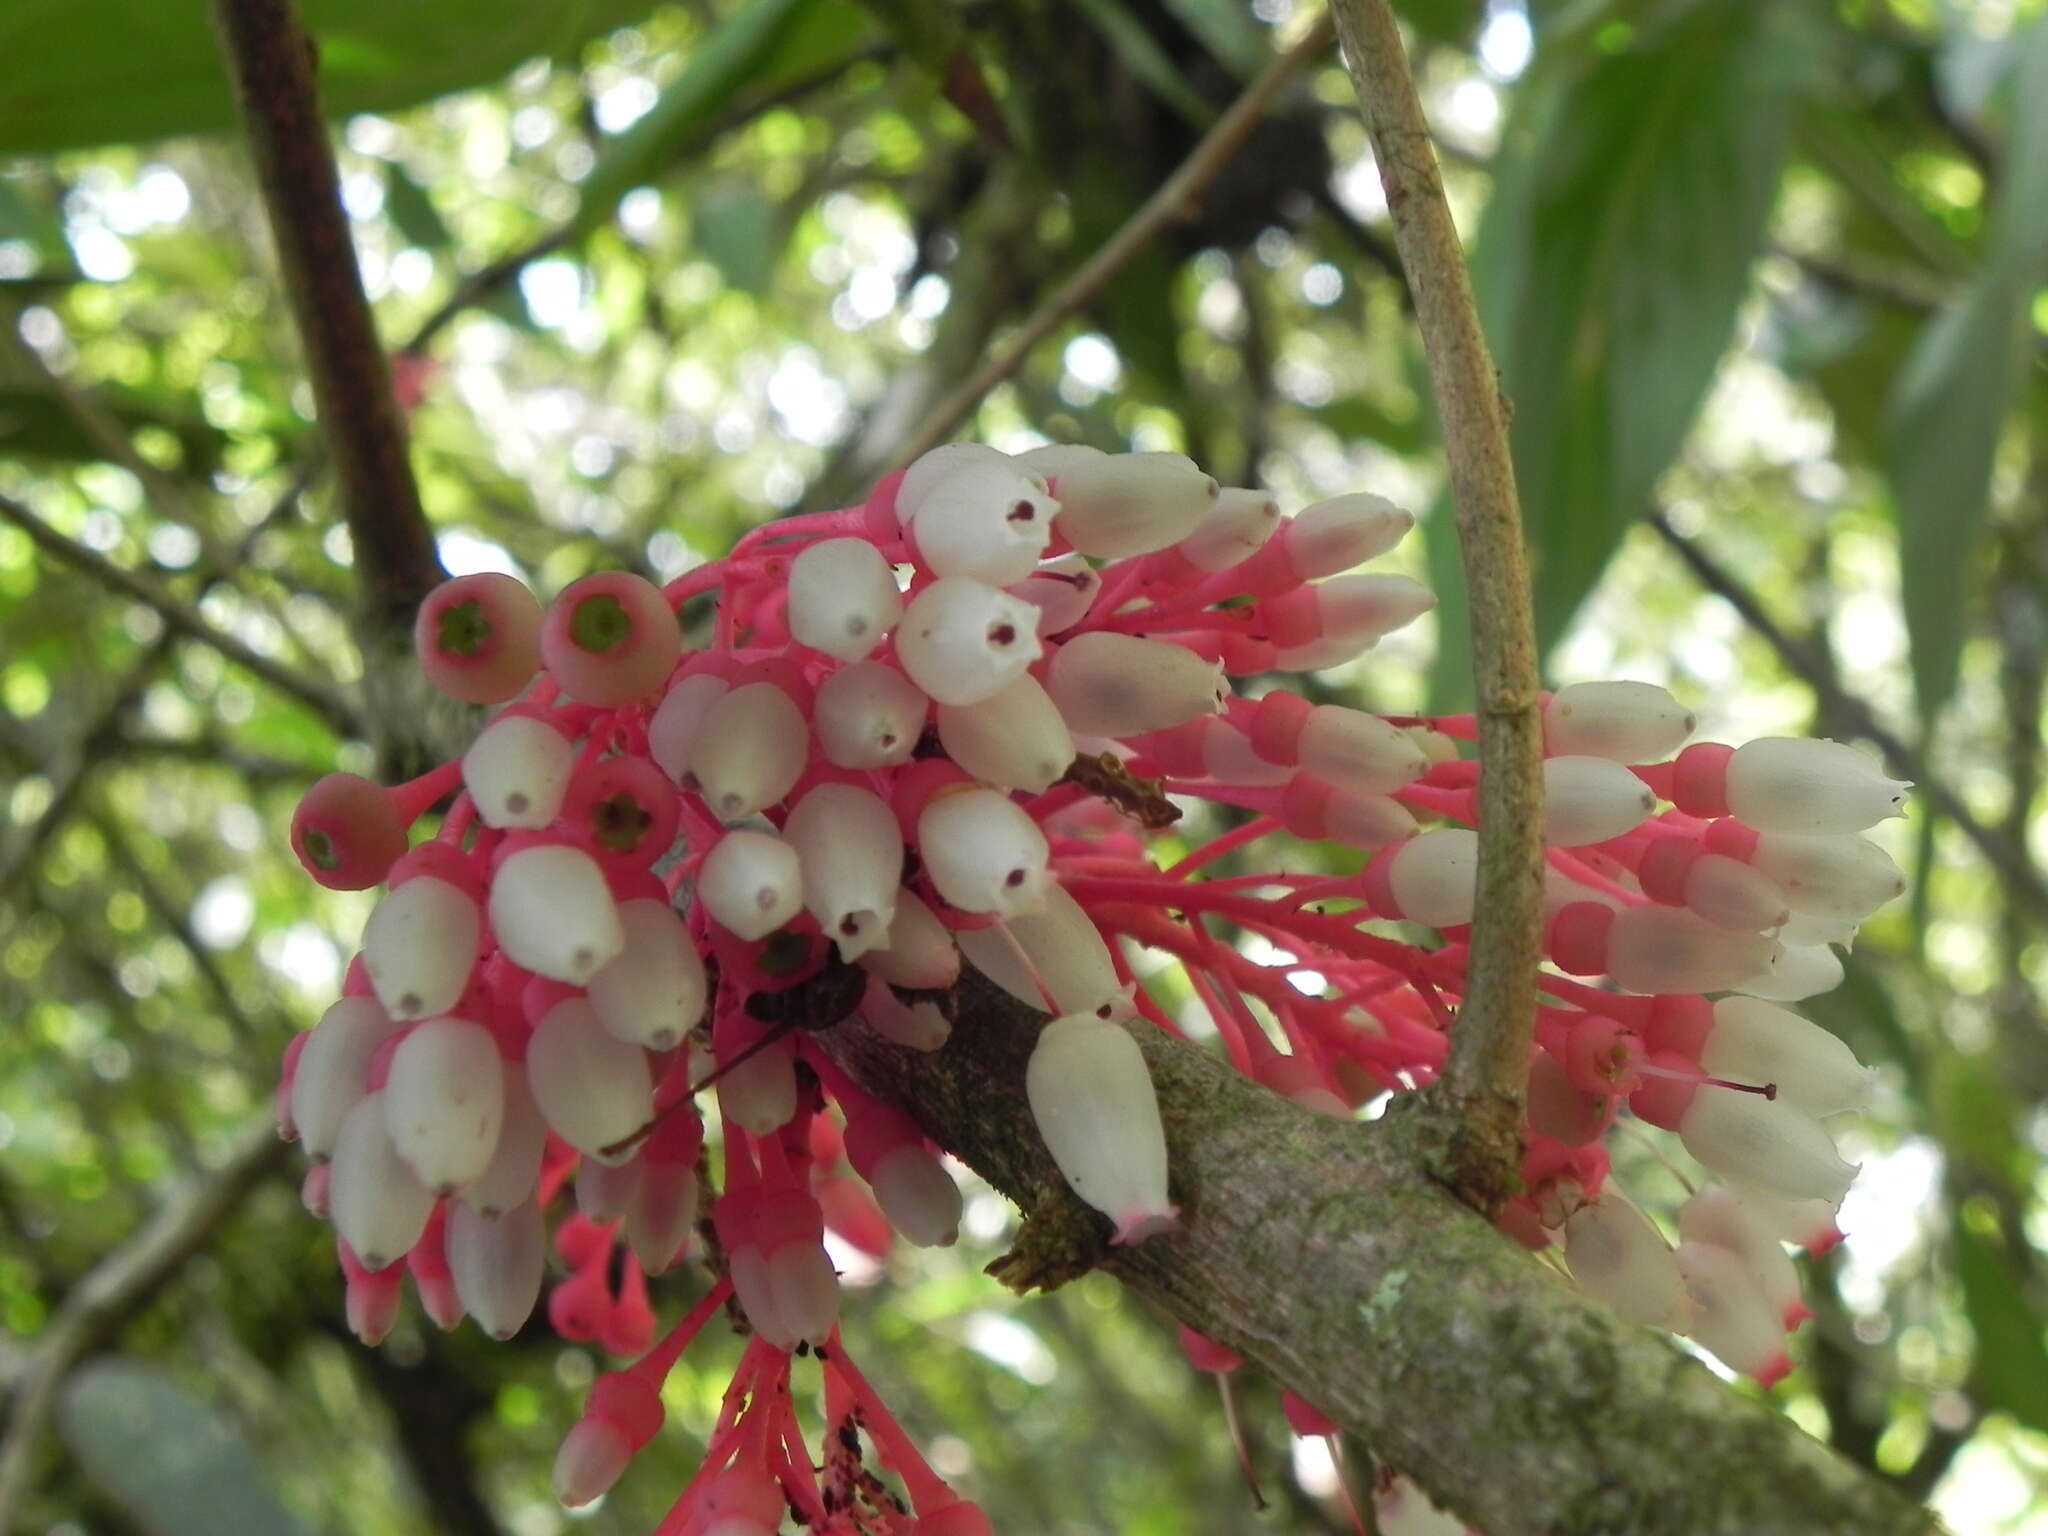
1477	1107
2005	855
1176	195
329	703
118	1287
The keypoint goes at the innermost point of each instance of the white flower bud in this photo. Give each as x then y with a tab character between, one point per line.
1434	877
1016	739
916	1026
920	952
1770	1143
593	1088
605	1190
1800	971
1717	1215
514	1170
842	598
759	1094
1620	1259
554	914
806	1291
1796	784
1803	1223
868	716
1807	928
444	1101
419	947
517	771
918	1196
751	750
1366	821
984	853
1590	799
987	521
1120	685
928	469
1055	459
1063	591
594	1456
1342	532
662	1216
1366	608
1238	524
673	731
851	849
1357	751
1092	1098
1759	1042
1731	894
377	1206
653	991
1628	722
751	883
1733	1319
962	641
1842	876
333	1071
497	1263
1227	756
1132	503
1667	949
1066	949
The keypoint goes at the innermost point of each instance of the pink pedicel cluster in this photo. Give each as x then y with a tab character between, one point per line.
942	727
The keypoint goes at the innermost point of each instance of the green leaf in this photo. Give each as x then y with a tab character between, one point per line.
737	231
119	71
173	1465
413	211
1629	204
1953	395
2009	1368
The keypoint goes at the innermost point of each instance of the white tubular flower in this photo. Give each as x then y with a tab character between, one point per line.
1667	949
1732	1317
942	462
554	914
851	851
378	1207
1359	752
1798	972
1238	524
1132	503
1366	821
1731	894
1055	459
593	1457
444	1102
1227	755
868	716
917	1195
1342	532
593	1088
334	1070
1121	685
920	952
986	521
1717	1215
497	1263
1842	877
1805	928
1770	1143
1759	1042
1017	739
806	1291
916	1026
653	991
1064	947
604	1190
751	883
1434	877
419	947
517	771
1797	784
751	750
1628	722
1621	1260
1590	799
962	642
1063	591
1808	1224
662	1216
514	1170
984	853
1092	1098
842	598
1355	609
678	721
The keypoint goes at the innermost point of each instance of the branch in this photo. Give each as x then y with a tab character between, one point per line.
1309	1246
270	57
1169	203
2006	855
1475	1111
117	1288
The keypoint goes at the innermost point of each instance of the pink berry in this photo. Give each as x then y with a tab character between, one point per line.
610	639
478	637
347	832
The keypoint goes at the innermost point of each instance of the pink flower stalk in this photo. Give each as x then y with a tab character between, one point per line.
945	729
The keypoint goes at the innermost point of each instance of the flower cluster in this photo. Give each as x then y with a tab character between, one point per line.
943	728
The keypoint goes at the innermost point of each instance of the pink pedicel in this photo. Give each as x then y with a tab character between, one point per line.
659	873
